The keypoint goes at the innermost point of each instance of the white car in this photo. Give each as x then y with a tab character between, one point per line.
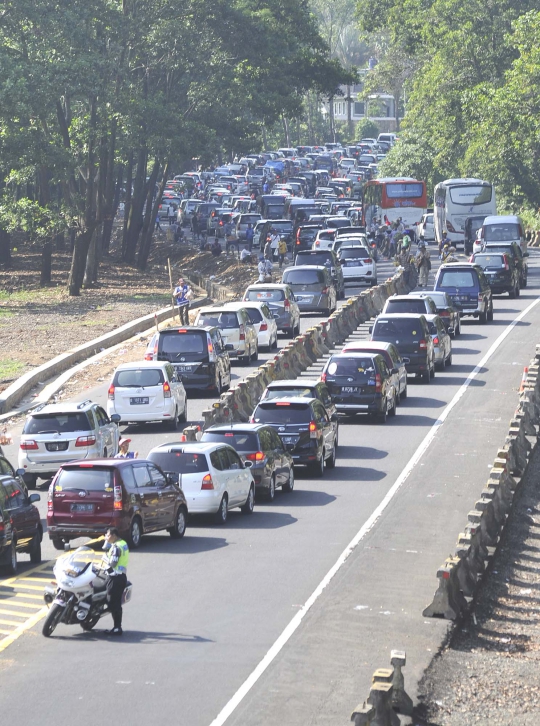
237	330
324	239
357	265
60	432
213	477
353	240
147	391
263	321
426	228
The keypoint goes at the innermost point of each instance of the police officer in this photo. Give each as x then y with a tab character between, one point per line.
116	559
404	259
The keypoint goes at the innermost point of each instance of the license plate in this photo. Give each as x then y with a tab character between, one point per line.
183	369
304	298
82	507
139	400
288	439
349	389
60	446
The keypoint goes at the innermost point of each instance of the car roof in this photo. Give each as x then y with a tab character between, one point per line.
143	364
233	306
405	297
268	286
189	328
293	399
460	265
369	344
400	316
502	219
67	407
88	463
355	354
305	267
294	383
247	427
201	447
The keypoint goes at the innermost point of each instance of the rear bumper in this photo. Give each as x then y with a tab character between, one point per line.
416	365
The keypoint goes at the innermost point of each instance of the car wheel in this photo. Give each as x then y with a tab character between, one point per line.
449	359
317	468
178	529
441	366
11	564
135	533
432	371
247	507
382	415
404	393
297	329
30	480
482	318
512	293
518	291
271	491
426	377
219	386
393	410
331	461
35	549
223	511
524	281
275	343
173	423
490	313
57	543
289	486
255	356
183	416
326	312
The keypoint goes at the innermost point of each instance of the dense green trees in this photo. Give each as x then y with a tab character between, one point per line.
104	97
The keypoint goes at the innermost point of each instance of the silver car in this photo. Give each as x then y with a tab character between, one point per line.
442	343
282	303
313	288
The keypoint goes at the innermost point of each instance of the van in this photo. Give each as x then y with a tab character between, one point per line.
504	228
387	138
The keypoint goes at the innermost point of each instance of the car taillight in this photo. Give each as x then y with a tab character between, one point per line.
2	526
85	441
29	445
436	340
117	497
312	430
423	345
264	326
111	393
152	355
506	265
242	332
207	482
378	383
257	456
317	243
50	504
166	390
449	227
444	313
287	304
323	377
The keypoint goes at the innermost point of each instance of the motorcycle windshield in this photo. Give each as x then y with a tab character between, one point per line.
73	563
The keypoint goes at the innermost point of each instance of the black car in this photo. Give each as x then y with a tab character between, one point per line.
20	524
413	303
514	250
468	287
305	429
305	236
272	465
501	272
361	383
199	355
328	258
410	334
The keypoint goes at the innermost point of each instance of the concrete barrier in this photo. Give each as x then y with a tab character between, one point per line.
401	701
363	715
448	601
380	697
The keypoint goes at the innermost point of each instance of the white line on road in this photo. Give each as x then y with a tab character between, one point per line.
278	645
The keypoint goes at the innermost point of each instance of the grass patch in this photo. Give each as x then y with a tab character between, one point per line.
10	368
29	296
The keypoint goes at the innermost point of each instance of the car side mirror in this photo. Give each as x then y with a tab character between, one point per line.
172	477
116	418
229	346
334	417
248	464
406	360
34	498
20	472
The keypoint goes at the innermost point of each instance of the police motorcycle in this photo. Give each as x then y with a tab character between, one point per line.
79	593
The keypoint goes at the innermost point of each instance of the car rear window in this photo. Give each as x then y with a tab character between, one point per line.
457	278
406	328
303	277
221	319
249	218
180	461
89	478
188	342
282	412
266	295
352	367
358	253
290	392
313	258
385	354
240	441
405	306
57	423
501	232
139	378
491	261
255	315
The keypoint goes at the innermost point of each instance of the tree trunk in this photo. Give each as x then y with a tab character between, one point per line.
146	242
136	210
5	249
92	259
127	204
78	261
332	120
286	131
109	220
350	126
46	263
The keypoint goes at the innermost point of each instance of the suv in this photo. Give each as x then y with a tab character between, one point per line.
392	358
136	496
421	304
20	524
305	236
198	355
242	221
56	433
357	263
513	250
328	259
500	270
305	429
281	302
271	467
237	331
468	288
303	388
147	391
426	228
312	287
410	334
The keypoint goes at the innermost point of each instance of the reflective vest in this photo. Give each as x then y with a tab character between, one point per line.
121	566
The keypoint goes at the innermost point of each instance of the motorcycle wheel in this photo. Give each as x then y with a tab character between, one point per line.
52	620
90	623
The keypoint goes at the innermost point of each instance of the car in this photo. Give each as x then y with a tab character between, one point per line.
271	465
501	272
338	221
350	231
313	288
442	344
426	228
305	428
134	495
186	211
303	388
356	240
471	228
305	236
56	433
263	320
242	221
504	228
214	478
147	391
324	239
327	258
218	219
204	212
20	523
198	354
357	264
412	303
392	358
514	250
237	330
446	310
410	334
361	383
468	288
281	302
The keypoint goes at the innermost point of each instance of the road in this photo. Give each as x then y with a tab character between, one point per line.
207	609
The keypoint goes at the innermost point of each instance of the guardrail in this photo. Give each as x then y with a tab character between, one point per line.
387	696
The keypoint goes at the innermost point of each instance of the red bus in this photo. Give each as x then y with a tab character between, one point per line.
389	198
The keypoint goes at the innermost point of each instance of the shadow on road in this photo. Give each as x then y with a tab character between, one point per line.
359	473
132	636
302	498
361	452
260	519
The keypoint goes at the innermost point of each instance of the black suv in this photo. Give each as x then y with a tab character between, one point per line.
20	524
272	465
501	272
468	288
422	305
305	236
410	334
514	250
199	355
305	428
327	258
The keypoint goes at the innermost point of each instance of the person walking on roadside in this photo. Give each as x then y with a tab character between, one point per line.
124	452
172	214
282	251
182	295
158	225
115	560
249	237
404	259
195	225
423	264
268	254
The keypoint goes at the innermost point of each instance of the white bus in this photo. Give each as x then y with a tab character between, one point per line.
457	199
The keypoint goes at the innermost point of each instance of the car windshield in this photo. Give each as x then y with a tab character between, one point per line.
352	367
249	218
303	277
282	412
179	461
254	315
138	378
290	392
56	423
221	319
486	261
405	328
188	342
238	440
258	295
501	232
87	477
457	278
405	306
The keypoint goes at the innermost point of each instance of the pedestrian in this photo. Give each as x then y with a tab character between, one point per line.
423	264
245	256
215	249
158	225
124	452
444	241
115	560
172	214
282	251
249	236
195	226
181	293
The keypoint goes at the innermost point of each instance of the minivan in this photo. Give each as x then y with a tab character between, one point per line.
504	228
410	334
468	288
312	287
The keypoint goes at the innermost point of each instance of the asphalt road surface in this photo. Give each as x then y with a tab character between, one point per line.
305	598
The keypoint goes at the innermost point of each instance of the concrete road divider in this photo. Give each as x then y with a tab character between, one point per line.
380	696
449	601
363	715
387	697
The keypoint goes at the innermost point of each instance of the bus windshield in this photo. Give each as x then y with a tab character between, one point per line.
471	195
409	190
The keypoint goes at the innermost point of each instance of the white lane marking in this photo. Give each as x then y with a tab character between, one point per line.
278	645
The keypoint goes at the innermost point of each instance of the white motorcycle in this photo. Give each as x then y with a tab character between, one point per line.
79	594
